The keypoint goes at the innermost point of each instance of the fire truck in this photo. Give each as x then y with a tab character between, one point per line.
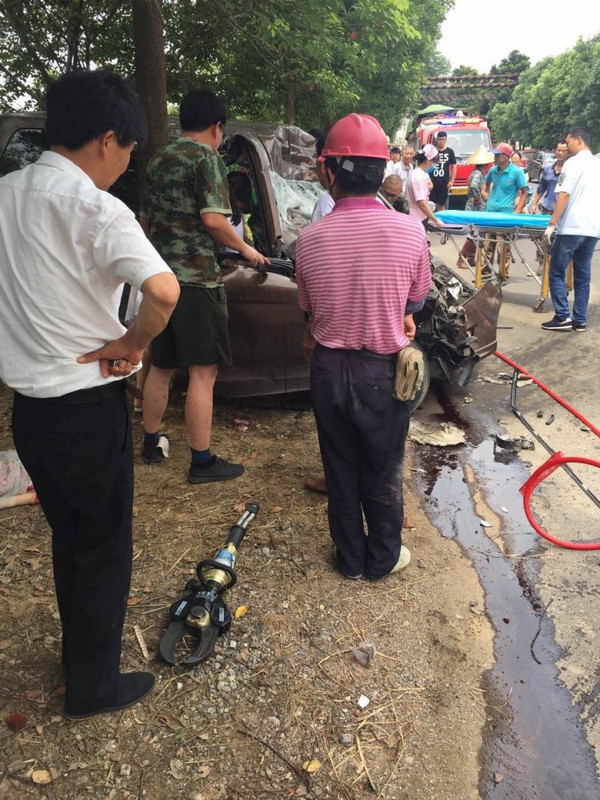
465	136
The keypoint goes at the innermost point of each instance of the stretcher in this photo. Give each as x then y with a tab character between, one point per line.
504	230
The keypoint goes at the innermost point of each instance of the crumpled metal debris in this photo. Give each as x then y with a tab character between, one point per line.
513	443
443	435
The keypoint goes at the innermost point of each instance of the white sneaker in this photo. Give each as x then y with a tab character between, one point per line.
403	560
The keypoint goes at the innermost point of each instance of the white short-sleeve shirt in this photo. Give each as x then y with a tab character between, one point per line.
66	249
392	168
580	178
323	206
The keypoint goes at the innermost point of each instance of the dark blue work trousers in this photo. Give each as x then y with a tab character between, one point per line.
78	452
362	433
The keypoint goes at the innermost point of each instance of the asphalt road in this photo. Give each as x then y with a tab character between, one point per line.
555	704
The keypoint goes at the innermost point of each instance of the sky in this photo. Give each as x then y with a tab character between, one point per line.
480	33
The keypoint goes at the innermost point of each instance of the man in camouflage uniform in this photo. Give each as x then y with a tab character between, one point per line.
185	214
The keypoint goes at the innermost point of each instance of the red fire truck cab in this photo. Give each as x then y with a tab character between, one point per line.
465	136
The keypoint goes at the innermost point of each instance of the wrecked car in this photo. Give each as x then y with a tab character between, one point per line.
456	327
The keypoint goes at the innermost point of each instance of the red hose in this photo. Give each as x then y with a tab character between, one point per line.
554	462
554	396
541	473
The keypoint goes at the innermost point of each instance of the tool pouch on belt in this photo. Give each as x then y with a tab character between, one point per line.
410	369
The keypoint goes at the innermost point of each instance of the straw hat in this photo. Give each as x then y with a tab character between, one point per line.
481	156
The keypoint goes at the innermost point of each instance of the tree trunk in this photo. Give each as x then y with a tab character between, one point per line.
290	104
150	77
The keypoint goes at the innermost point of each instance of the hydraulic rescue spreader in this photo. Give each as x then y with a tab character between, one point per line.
202	613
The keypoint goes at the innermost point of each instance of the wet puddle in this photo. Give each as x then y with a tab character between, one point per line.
533	737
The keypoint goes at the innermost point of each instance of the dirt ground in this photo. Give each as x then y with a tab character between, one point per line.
275	713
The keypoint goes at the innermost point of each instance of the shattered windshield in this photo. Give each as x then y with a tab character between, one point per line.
294	180
295	202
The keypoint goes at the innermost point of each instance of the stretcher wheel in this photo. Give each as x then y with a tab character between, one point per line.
539	305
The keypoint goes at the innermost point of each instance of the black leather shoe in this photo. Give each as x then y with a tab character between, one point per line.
131	688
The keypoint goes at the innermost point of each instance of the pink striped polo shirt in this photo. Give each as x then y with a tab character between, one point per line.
356	269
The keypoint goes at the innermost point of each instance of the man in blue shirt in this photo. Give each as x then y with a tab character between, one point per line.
505	190
545	197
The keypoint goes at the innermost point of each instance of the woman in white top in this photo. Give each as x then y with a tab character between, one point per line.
418	185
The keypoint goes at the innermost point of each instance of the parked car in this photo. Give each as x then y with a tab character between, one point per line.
456	328
536	161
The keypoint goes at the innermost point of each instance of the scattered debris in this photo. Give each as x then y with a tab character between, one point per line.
540	414
19	766
524	380
16	722
514	443
347	739
504	456
498	778
241	425
584	428
176	769
364	653
467	400
550	419
442	435
485	524
141	641
508	442
41	776
312	766
363	701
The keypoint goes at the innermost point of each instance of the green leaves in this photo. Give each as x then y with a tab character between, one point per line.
309	61
552	96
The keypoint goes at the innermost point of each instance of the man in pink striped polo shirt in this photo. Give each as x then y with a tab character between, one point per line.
362	270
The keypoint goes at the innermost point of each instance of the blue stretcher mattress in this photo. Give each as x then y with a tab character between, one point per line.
494	219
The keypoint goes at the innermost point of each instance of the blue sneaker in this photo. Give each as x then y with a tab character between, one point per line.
556	324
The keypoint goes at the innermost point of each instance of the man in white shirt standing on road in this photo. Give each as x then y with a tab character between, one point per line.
576	220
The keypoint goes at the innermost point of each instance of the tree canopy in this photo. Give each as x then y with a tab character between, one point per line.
515	62
307	61
552	96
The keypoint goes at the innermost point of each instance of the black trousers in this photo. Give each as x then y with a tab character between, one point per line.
78	452
362	433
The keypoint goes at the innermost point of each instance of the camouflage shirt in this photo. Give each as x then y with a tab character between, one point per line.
184	180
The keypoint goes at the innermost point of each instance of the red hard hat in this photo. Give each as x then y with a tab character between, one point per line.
356	135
